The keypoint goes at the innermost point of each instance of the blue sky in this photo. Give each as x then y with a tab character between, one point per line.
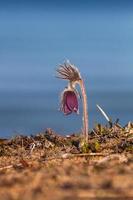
73	3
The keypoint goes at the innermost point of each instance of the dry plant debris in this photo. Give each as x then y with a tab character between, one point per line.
50	166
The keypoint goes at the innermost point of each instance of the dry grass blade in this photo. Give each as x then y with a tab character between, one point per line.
103	112
23	163
69	155
105	115
72	155
10	167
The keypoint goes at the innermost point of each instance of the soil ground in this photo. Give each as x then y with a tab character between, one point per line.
48	166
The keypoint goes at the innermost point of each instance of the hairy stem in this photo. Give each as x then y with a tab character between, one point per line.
85	110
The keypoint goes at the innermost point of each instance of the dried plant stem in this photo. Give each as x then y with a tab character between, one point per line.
85	111
70	155
105	115
10	167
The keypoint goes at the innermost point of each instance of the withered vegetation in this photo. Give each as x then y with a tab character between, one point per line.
50	166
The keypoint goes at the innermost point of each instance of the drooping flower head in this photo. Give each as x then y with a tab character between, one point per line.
69	97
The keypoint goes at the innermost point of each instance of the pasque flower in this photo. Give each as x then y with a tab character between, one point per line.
69	101
69	97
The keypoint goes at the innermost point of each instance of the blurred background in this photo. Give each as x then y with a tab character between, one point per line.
37	36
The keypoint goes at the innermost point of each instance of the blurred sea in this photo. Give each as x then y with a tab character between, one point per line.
35	40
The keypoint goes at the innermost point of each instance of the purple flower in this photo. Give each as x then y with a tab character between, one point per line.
69	102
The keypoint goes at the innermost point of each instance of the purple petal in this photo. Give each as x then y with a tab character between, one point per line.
70	102
66	110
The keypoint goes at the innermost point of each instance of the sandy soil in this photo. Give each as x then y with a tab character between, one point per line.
48	166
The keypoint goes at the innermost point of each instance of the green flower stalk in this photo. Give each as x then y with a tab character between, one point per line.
69	97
